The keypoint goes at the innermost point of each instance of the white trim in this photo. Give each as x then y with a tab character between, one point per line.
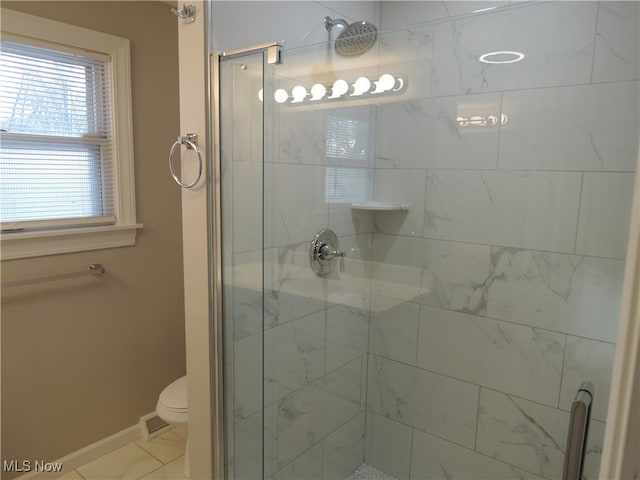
616	453
123	233
52	242
88	454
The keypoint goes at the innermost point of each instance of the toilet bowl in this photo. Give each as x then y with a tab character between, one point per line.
172	408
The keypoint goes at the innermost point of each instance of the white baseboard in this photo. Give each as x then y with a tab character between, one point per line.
89	453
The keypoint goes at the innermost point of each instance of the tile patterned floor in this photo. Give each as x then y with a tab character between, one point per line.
367	472
160	458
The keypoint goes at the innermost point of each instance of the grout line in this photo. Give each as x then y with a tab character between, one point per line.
467	242
468	382
564	357
510	322
475	441
411	440
595	38
499	133
575	243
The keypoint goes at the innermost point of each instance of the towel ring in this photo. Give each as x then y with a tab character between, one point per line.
190	141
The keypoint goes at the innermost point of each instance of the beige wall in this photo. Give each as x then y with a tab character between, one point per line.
85	358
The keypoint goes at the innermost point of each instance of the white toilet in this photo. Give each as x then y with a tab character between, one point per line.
172	408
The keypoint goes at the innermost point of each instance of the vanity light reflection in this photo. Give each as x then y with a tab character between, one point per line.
387	83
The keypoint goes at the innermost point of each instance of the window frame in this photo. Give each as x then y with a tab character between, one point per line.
51	34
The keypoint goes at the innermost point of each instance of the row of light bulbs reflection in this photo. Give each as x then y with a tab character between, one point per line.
340	88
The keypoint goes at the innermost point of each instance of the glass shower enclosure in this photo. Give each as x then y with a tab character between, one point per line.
423	246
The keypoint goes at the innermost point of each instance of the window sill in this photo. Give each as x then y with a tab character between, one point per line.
35	244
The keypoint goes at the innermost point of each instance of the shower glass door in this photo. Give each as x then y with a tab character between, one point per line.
241	113
482	201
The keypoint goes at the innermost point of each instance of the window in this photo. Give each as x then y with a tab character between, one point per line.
66	156
348	140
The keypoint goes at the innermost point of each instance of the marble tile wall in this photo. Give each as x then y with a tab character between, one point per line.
516	239
517	288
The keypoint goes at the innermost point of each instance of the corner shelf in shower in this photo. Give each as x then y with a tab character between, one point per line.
380	206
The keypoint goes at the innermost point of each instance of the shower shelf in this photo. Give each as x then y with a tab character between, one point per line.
380	206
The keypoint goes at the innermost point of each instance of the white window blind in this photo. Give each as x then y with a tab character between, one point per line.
347	139
56	152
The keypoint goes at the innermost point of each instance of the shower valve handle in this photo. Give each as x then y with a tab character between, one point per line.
327	252
322	252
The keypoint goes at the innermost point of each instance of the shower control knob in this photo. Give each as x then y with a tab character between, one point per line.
323	251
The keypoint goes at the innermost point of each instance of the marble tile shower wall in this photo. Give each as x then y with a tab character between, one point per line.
516	232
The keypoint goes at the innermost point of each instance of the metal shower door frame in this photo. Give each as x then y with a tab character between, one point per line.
273	51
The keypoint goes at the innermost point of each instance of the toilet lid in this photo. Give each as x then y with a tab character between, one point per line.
175	395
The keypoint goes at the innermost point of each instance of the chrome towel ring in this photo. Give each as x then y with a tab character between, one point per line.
190	141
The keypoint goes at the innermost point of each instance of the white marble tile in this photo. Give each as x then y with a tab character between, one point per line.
354	10
247	376
310	414
270	439
605	214
617	42
591	361
344	449
167	446
345	220
357	260
407	54
247	447
397	14
295	203
127	463
563	28
240	24
394	331
414	43
427	401
453	274
537	210
522	433
520	360
294	355
247	311
435	459
565	293
246	206
333	136
593	455
579	127
347	334
400	186
171	471
388	446
306	466
437	133
281	270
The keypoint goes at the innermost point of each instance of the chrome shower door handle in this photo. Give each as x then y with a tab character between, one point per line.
576	447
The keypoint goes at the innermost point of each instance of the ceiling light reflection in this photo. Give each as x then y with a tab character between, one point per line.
500	57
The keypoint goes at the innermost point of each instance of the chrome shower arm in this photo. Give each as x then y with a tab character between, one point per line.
329	22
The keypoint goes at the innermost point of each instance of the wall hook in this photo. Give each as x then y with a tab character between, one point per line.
187	14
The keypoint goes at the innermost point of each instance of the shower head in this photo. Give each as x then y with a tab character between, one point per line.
355	39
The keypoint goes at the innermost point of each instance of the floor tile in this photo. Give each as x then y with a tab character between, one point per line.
171	471
127	463
72	475
168	446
